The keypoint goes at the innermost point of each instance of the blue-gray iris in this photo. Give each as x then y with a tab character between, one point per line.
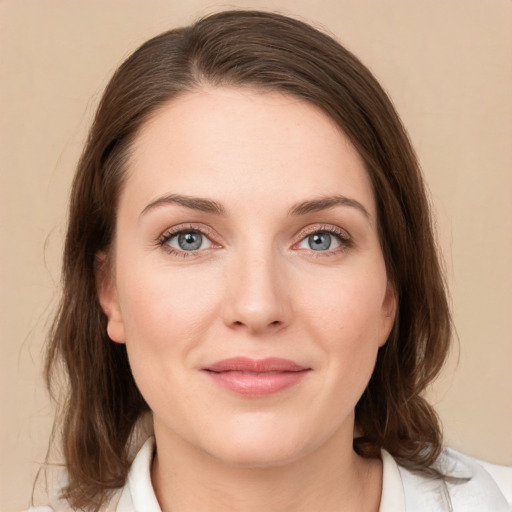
319	241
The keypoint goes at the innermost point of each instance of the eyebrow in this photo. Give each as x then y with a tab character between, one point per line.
324	203
194	203
210	206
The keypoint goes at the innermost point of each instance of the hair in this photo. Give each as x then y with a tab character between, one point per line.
269	52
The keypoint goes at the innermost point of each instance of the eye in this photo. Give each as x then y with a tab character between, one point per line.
325	240
320	241
188	241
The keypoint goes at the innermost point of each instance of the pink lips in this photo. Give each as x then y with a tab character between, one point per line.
256	377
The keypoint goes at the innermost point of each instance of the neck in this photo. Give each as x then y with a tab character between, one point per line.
331	478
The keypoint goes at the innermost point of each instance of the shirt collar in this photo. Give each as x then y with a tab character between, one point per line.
138	494
392	498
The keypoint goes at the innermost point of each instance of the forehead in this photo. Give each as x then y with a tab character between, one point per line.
243	143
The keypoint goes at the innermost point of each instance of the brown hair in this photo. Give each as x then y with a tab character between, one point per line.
271	52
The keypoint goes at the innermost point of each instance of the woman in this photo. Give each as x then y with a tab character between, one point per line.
250	266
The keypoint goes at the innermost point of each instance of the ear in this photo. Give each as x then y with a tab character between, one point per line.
389	309
107	296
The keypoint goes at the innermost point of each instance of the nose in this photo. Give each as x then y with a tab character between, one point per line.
256	297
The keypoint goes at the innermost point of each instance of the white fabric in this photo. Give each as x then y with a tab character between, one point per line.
471	486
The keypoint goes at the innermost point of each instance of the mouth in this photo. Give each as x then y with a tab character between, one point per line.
256	377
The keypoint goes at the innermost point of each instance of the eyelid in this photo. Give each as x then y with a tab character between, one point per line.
323	228
185	228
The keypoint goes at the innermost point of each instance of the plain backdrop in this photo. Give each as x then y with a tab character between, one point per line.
447	65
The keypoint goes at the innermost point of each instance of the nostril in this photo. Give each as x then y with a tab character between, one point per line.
239	323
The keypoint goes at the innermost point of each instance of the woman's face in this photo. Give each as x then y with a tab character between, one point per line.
248	281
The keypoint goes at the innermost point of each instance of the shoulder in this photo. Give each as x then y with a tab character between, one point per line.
469	485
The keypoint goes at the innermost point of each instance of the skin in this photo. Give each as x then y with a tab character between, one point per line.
255	288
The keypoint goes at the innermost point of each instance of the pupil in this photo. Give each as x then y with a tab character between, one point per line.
190	241
319	241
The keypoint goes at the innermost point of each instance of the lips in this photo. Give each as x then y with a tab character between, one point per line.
256	377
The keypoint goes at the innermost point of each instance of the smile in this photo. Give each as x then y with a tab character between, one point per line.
251	377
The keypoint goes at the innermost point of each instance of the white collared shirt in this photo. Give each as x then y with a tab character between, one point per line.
471	486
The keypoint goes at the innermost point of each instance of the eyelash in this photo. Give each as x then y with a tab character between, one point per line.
342	236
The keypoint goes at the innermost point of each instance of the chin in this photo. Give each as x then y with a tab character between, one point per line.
256	444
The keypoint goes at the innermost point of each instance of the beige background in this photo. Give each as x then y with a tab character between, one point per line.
447	65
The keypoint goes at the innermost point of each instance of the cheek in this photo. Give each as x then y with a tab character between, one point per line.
166	310
345	319
348	305
166	320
